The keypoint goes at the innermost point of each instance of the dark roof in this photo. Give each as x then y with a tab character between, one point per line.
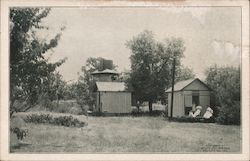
182	84
106	71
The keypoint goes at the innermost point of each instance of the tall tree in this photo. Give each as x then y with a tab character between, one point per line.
29	68
151	64
184	73
225	82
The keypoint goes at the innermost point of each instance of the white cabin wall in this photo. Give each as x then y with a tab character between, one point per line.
178	109
116	102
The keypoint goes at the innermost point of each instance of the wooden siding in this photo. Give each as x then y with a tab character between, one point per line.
204	102
183	99
188	100
178	105
204	99
116	102
196	85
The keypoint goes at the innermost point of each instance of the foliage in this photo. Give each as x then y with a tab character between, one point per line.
20	133
229	115
67	106
29	69
184	73
49	119
151	65
52	89
225	81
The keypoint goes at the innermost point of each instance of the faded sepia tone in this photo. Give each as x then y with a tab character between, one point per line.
97	79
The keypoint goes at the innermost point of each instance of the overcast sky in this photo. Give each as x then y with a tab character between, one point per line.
212	35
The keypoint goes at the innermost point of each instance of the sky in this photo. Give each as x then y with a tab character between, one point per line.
212	35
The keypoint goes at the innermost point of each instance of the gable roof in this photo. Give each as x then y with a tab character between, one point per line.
106	71
111	86
182	84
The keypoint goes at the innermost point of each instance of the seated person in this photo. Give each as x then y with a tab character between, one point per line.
191	112
196	113
209	113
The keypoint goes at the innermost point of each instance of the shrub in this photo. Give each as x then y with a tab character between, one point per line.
225	82
39	118
229	114
20	133
48	119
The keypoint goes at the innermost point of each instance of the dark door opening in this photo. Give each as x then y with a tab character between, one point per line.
195	100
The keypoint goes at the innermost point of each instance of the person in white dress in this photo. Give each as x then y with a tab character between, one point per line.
209	113
196	113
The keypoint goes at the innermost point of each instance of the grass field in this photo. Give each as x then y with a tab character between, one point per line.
128	134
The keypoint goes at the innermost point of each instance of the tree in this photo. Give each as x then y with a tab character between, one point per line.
54	88
184	73
151	64
29	69
225	82
85	85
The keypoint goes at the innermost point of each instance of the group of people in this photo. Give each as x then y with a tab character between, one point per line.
196	111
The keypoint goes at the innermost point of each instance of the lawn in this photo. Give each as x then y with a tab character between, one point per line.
128	134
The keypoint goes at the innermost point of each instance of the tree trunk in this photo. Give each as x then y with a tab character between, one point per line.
150	103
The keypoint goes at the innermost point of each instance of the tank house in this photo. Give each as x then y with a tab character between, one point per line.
187	94
111	95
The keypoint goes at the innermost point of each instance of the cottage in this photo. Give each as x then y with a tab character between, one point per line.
111	95
187	94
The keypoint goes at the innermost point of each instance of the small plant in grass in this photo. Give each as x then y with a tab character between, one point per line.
20	133
60	120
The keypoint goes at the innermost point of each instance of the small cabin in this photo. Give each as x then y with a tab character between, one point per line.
111	95
112	98
186	94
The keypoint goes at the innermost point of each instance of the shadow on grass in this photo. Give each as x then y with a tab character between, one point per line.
191	120
155	113
19	146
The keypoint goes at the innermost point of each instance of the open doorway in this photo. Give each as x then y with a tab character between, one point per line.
195	100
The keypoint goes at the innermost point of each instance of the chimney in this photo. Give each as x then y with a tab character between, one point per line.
105	64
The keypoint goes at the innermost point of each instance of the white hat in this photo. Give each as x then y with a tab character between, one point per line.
210	110
198	107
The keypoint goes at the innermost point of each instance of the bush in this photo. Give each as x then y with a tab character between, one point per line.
20	133
225	82
39	118
48	119
229	114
